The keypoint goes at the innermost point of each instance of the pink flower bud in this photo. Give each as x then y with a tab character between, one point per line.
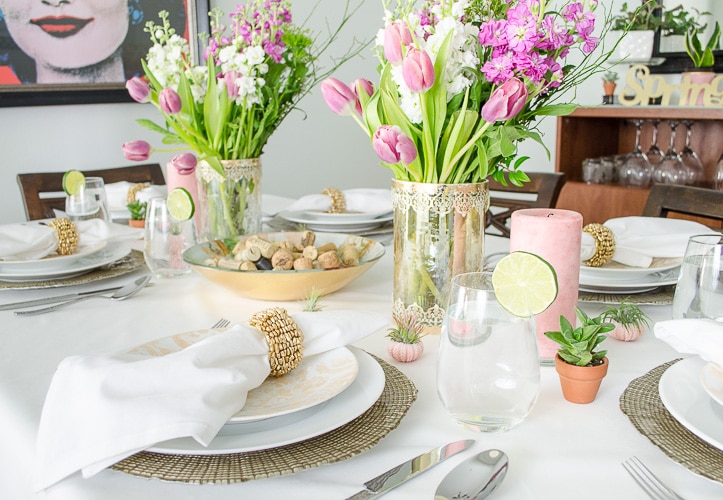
392	145
396	36
338	96
506	101
137	150
418	71
138	89
361	85
231	86
185	163
169	101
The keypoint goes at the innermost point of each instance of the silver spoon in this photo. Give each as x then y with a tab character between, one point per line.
125	292
475	478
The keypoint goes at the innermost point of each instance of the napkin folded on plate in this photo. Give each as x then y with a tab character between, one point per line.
117	194
32	240
363	200
638	240
102	409
703	337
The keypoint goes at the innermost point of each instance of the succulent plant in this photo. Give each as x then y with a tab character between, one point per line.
137	210
702	56
408	329
578	344
610	76
312	302
629	320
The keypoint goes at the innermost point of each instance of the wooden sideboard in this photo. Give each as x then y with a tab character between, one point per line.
605	130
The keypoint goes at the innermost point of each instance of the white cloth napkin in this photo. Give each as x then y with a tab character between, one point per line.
117	194
363	200
32	240
703	337
102	409
638	240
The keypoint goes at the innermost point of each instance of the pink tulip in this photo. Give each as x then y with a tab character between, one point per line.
506	101
169	101
361	85
418	71
185	163
137	150
338	96
396	36
231	86
392	145
138	89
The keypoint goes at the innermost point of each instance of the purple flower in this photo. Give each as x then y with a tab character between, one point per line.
506	101
493	33
185	163
396	36
498	69
169	101
361	85
392	145
338	96
138	89
521	37
418	71
137	150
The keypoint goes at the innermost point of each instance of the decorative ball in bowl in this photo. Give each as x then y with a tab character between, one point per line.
285	265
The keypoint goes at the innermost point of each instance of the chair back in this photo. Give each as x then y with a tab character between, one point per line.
542	191
43	192
688	202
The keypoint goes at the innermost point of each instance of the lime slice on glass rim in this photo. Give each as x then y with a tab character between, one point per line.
180	204
73	180
525	284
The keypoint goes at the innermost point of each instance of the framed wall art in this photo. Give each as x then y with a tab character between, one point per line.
55	53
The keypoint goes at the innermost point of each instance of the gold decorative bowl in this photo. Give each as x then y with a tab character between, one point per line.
287	285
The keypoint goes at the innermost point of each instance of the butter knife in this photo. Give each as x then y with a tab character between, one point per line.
409	469
57	298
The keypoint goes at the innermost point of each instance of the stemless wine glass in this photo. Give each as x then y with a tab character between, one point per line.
699	291
488	372
635	170
91	201
165	240
654	153
691	160
671	170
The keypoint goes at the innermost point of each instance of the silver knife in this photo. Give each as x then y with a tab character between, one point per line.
409	469
57	298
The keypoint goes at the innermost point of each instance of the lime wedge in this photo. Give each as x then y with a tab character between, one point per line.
73	180
180	204
525	284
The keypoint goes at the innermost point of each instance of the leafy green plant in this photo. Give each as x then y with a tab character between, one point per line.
578	344
137	210
644	17
627	314
610	76
678	21
702	56
408	329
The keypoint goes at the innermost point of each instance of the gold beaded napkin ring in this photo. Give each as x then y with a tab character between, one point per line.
284	337
604	244
67	233
134	190
338	202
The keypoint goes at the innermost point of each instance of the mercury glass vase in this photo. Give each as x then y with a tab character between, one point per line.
229	205
438	234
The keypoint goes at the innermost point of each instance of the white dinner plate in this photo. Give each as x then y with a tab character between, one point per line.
103	257
711	376
322	221
614	271
684	397
639	285
317	378
50	263
342	409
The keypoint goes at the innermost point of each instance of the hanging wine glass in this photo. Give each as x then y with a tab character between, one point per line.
654	153
671	170
691	160
718	175
635	170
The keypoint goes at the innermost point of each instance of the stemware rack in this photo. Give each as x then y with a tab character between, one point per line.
606	130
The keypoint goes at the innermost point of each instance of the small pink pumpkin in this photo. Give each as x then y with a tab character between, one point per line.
405	353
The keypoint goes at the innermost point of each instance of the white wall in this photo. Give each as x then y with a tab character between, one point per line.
304	156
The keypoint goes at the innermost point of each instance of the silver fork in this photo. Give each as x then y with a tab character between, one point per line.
222	323
648	481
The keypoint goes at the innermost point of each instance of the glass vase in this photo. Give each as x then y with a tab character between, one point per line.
438	234
229	205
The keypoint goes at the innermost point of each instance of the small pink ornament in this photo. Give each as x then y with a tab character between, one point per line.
405	353
627	333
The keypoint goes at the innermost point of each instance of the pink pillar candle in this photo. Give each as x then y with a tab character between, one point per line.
187	181
555	236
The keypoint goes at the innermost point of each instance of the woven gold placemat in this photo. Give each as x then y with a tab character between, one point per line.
660	296
641	403
349	440
127	264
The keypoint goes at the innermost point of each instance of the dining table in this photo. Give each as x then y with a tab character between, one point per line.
561	450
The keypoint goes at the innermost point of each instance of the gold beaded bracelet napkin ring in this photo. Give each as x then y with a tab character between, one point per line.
67	234
134	190
338	202
284	337
604	244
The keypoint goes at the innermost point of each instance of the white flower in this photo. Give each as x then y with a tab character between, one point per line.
255	55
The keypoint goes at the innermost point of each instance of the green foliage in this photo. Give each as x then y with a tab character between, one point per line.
137	210
578	344
627	314
677	21
702	56
408	328
610	76
643	18
312	302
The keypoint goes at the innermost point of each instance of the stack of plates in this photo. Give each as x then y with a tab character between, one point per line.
692	391
614	278
323	393
86	259
338	223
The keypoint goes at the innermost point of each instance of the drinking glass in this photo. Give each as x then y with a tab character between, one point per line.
91	202
635	170
488	372
718	174
691	160
699	291
654	153
671	170
165	240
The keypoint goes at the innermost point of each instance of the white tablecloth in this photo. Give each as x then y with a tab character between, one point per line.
561	450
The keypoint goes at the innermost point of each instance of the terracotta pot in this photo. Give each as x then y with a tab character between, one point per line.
137	222
609	88
580	383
